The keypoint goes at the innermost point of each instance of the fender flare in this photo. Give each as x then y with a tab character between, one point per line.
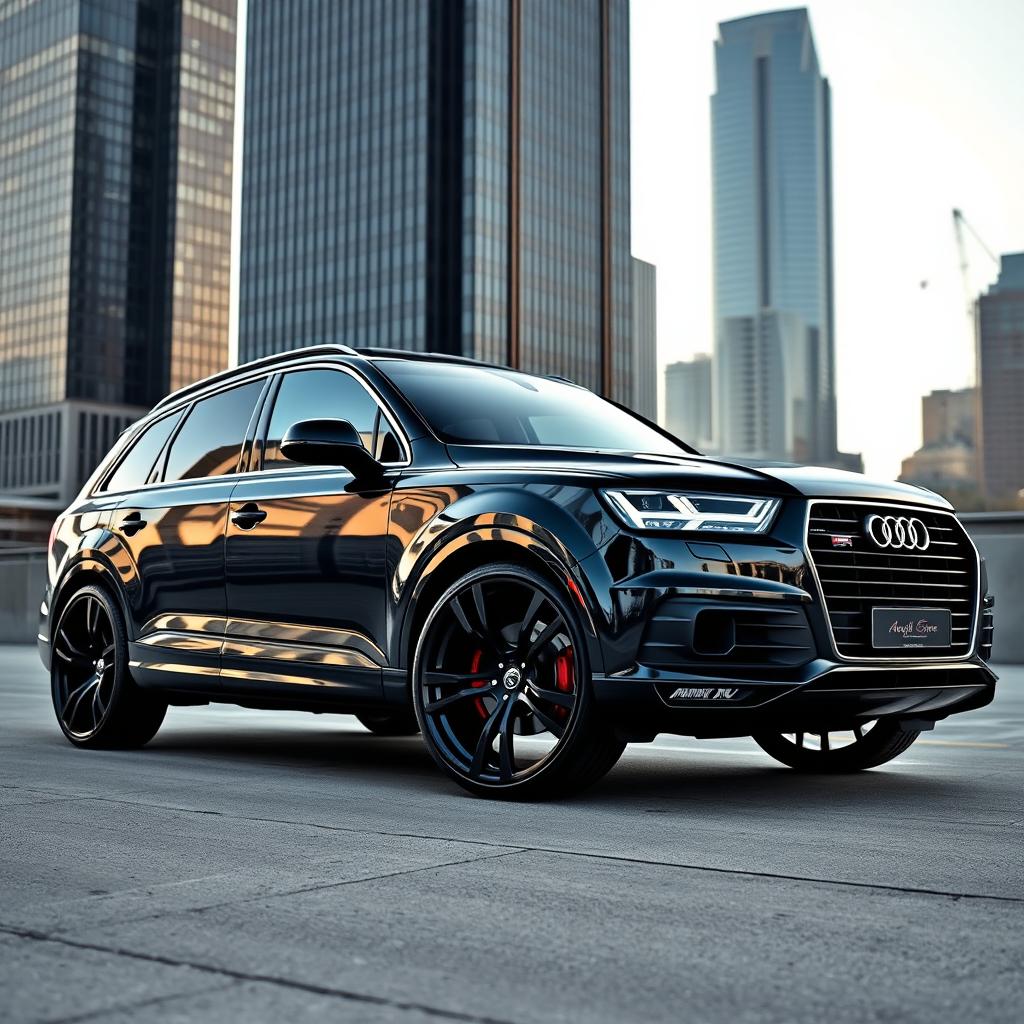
537	542
93	563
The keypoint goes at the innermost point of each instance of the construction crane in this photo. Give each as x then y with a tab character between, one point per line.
959	223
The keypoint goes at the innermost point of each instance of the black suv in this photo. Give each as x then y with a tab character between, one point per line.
527	574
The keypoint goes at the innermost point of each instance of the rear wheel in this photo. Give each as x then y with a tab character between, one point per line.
96	701
865	746
501	686
391	723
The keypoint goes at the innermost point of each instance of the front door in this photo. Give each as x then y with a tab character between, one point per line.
305	555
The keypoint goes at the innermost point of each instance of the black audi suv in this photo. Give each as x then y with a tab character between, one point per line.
528	575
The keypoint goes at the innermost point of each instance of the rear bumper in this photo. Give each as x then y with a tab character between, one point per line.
645	703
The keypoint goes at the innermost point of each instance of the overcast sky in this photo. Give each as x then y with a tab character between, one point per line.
928	114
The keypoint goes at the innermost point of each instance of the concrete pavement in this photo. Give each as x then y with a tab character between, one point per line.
255	865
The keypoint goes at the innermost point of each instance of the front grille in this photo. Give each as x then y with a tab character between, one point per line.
856	578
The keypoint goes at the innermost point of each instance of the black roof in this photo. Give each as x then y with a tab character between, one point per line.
329	350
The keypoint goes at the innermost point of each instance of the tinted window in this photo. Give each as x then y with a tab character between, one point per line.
479	405
210	439
318	395
135	466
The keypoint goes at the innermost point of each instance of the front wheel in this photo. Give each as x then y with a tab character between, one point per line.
501	687
865	746
96	700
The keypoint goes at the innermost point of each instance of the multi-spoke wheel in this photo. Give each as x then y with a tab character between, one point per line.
502	690
852	750
96	701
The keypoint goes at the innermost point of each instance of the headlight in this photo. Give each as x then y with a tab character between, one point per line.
721	513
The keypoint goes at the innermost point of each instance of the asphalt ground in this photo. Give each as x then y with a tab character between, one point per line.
258	866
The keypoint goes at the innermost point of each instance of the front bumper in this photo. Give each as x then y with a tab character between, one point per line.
731	636
645	703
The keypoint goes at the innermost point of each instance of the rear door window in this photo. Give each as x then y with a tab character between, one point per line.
210	439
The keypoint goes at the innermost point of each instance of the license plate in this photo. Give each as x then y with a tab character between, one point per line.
910	627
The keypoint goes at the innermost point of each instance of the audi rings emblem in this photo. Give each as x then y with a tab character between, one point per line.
898	532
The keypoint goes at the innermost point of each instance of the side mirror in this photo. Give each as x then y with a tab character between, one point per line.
328	443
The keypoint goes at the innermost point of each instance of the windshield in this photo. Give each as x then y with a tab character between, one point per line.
466	404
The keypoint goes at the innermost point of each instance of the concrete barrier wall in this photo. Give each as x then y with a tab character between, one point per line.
22	579
999	537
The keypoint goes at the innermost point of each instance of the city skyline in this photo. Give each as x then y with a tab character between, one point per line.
916	131
927	326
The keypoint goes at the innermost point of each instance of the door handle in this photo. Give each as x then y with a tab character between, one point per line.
248	516
132	523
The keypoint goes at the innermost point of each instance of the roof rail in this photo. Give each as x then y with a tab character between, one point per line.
434	357
278	357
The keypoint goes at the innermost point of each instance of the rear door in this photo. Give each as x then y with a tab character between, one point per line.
305	551
173	536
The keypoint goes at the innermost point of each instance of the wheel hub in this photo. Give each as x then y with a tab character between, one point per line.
512	678
100	666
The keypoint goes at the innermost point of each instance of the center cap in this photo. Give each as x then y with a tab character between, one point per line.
100	665
511	678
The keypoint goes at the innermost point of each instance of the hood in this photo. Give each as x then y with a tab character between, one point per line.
623	469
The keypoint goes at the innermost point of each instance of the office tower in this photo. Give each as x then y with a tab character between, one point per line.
688	401
772	223
948	417
645	340
947	459
115	163
444	175
1000	334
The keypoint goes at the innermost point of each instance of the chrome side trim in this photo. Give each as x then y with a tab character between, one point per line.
182	641
176	667
280	677
181	622
972	647
288	636
259	638
761	595
280	651
238	378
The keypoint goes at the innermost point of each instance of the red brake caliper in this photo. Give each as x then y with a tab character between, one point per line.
564	676
474	666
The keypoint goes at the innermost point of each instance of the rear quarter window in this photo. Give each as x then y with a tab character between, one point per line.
134	469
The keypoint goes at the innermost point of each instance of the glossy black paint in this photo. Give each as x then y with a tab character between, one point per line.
305	586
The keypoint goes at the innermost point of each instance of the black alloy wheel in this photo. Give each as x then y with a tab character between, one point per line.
502	690
96	702
866	745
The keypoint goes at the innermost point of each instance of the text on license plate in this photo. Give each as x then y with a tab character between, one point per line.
910	627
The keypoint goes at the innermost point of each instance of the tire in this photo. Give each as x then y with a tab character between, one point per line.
874	744
95	699
391	723
502	655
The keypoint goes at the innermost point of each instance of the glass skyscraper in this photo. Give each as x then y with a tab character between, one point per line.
440	175
999	319
116	127
645	340
772	217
